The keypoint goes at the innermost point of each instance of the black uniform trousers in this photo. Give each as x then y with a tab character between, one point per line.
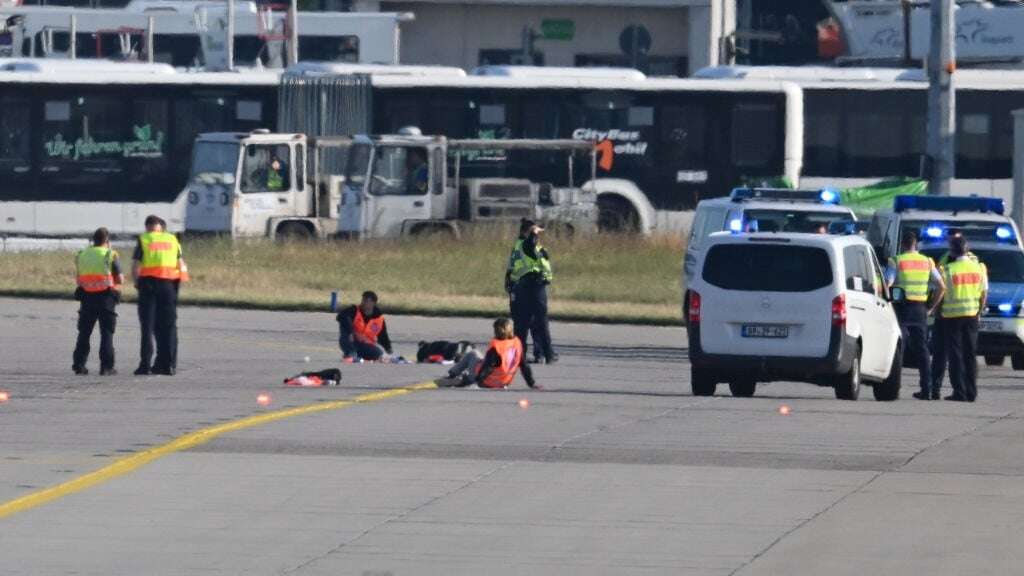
96	307
158	321
530	311
961	344
913	317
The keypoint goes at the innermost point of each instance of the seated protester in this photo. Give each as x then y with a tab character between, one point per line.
363	333
497	368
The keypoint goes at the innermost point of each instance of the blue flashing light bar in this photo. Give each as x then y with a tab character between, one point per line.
1006	308
949	204
1004	233
934	231
736	225
824	196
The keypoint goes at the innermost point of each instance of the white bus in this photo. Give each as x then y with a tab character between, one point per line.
862	125
664	144
188	33
90	143
71	157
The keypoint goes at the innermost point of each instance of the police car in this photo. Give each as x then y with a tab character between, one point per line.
791	306
766	210
991	236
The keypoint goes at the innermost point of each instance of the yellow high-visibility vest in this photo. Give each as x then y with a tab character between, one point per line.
95	273
160	253
913	272
522	264
965	280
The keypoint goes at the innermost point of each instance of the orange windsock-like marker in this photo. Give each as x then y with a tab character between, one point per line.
263	399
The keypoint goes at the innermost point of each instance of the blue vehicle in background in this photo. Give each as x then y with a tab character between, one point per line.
991	236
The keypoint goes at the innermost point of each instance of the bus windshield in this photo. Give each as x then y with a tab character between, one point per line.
214	163
772	220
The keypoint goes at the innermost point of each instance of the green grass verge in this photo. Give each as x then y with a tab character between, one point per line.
597	279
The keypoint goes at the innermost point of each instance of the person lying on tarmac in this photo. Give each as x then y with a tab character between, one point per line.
495	369
363	334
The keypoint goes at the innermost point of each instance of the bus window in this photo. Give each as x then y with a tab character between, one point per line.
194	115
329	48
15	147
146	152
83	144
755	130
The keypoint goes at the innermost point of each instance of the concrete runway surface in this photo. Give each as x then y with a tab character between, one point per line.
615	469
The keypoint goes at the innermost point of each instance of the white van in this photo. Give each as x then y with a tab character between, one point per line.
791	306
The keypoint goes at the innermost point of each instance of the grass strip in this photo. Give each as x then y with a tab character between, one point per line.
597	279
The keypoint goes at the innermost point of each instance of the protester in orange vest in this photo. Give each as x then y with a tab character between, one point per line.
495	369
158	269
363	332
99	278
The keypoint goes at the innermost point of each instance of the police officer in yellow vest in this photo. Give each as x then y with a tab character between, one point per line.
967	292
158	270
526	280
99	278
917	276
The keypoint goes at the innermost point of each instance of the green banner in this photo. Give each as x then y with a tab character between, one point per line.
867	199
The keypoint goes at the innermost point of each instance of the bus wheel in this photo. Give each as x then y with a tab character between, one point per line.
616	214
294	231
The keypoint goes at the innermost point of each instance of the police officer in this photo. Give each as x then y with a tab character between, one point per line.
967	282
914	273
158	270
526	280
938	337
99	290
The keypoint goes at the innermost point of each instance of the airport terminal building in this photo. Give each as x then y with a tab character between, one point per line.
660	37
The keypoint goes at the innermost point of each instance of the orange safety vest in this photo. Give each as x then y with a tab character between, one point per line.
511	354
95	269
366	331
160	253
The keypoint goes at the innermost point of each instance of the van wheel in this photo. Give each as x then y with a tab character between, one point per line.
889	389
996	360
294	231
743	388
1017	360
848	385
702	382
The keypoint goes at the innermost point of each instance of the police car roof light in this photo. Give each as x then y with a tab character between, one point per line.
826	195
949	204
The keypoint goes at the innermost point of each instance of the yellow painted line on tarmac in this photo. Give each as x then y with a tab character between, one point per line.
131	463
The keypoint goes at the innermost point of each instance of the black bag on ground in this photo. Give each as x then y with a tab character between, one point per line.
443	349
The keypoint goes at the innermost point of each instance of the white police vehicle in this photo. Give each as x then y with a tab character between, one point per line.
791	306
766	210
991	236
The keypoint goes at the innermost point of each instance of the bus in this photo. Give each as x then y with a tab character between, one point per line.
663	144
191	34
863	125
71	160
85	144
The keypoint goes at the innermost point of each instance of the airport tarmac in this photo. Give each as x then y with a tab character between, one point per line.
613	469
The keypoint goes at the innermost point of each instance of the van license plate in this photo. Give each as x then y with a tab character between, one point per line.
765	331
991	326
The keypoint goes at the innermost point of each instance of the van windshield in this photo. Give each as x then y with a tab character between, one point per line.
773	220
214	163
767	268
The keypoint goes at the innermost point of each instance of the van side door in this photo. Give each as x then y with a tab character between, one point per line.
862	313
